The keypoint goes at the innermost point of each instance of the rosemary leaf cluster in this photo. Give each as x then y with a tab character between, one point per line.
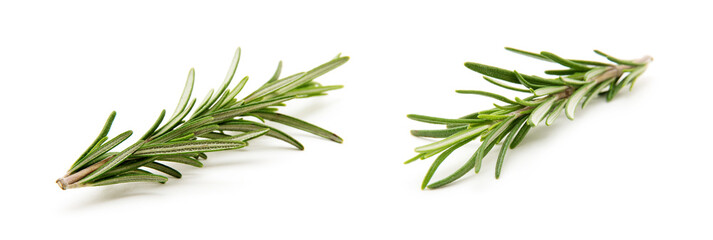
219	122
509	122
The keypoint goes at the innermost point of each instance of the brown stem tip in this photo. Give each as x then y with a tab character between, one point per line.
62	184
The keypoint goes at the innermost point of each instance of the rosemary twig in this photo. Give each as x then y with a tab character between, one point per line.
219	122
574	86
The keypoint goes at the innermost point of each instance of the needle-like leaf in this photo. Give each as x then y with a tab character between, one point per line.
437	120
497	72
299	124
619	61
541	57
311	91
186	128
133	177
247	126
101	150
490	141
164	169
525	82
549	90
455	175
563	71
439	133
541	111
116	160
555	112
565	62
102	134
175	121
221	90
438	162
186	95
573	82
529	54
529	103
496	83
314	73
273	86
276	75
466	134
631	78
127	166
595	90
487	94
153	127
172	148
508	141
204	104
250	135
575	98
181	159
234	92
237	111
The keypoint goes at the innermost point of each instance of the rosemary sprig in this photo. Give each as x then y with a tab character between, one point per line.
576	85
220	122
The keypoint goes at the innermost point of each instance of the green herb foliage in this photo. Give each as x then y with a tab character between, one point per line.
575	85
219	122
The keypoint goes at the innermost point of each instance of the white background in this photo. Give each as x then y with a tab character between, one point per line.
637	167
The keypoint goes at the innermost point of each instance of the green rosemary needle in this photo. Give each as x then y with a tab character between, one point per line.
220	122
576	85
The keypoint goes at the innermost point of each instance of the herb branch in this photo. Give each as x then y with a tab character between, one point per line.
219	122
576	85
